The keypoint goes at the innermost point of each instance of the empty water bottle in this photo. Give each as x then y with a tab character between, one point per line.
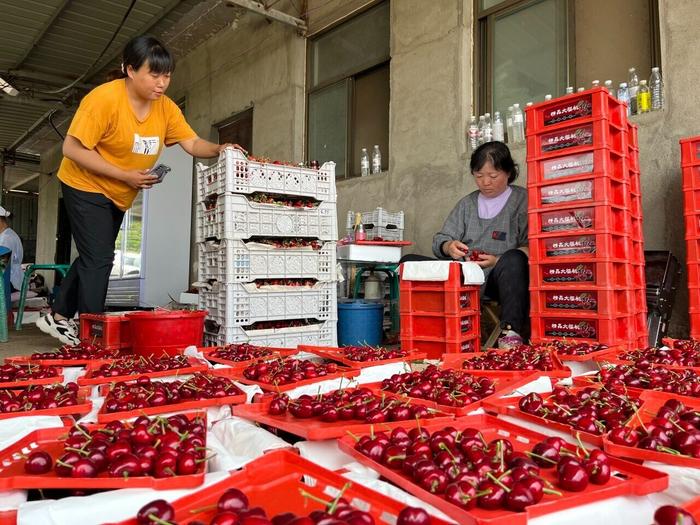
488	130
364	163
473	134
498	132
547	97
656	86
596	83
623	95
609	87
569	90
482	125
518	125
633	86
376	160
509	123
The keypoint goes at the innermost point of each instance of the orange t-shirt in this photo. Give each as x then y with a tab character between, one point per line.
106	123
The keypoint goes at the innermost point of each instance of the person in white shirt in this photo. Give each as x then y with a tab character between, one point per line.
9	239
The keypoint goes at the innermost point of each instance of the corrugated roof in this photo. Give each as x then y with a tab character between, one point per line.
45	44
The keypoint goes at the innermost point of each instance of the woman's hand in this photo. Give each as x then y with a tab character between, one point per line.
486	260
139	179
455	249
222	147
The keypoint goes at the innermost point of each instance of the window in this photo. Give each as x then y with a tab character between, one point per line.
348	95
530	48
238	130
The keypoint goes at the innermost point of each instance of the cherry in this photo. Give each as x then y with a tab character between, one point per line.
462	494
84	468
232	500
670	515
573	477
413	516
159	508
519	498
38	462
492	497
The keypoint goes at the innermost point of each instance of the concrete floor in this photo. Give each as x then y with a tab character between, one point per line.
28	340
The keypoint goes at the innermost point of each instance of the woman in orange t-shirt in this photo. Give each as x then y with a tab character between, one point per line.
113	142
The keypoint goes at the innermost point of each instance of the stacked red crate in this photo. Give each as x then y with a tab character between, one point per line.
440	317
690	164
585	221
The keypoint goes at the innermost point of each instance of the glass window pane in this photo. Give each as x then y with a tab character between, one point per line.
328	115
530	56
488	4
371	116
134	228
360	42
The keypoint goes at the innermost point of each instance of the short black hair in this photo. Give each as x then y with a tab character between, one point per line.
146	48
499	155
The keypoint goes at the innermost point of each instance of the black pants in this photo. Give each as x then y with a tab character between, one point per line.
94	222
508	283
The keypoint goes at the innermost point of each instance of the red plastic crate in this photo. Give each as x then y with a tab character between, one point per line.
693	269
635	183
690	150
633	480
637	232
578	137
111	330
510	406
559	371
584	327
339	355
598	272
30	382
690	178
579	217
594	160
692	245
438	326
313	429
274	482
691	200
694	316
570	357
552	247
446	297
633	134
590	189
605	302
569	109
653	401
12	475
435	348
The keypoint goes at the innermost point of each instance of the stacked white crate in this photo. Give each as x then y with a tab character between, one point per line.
378	223
230	263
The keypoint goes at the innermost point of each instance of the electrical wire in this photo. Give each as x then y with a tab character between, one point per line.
87	71
51	115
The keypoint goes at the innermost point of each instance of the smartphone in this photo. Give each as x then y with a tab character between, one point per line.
160	171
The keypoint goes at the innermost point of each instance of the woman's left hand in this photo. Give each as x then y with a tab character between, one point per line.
222	147
486	260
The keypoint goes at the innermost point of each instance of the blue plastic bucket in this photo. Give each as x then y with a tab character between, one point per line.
360	323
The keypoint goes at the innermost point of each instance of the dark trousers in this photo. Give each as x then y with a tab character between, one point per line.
508	283
95	223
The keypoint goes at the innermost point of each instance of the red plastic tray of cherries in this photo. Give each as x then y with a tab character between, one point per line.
70	355
522	358
49	400
364	356
147	397
150	452
589	412
240	355
125	369
635	378
20	375
286	374
489	471
683	356
333	414
574	351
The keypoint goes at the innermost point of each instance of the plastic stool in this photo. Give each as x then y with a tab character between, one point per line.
392	273
61	268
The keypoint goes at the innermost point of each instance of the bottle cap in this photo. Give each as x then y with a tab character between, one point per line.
516	106
487	115
643	82
623	84
656	69
631	70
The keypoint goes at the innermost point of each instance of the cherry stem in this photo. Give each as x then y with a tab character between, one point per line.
353	436
540	457
497	482
581	446
156	519
552	492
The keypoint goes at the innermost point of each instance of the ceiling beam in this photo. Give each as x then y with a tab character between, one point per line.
37	76
34	127
42	31
274	14
25	180
29	101
140	31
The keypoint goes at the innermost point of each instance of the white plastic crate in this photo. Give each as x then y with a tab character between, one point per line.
234	217
234	173
244	304
379	223
322	334
239	262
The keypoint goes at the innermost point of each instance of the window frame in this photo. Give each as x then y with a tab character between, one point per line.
348	76
483	47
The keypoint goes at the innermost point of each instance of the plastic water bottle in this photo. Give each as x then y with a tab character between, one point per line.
569	90
473	134
595	83
482	125
364	162
376	160
580	90
633	85
488	130
656	86
547	97
509	123
643	98
623	95
518	125
498	132
609	86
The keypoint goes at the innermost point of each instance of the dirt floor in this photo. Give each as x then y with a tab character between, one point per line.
29	339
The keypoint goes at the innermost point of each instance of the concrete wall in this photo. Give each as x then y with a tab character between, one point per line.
47	219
